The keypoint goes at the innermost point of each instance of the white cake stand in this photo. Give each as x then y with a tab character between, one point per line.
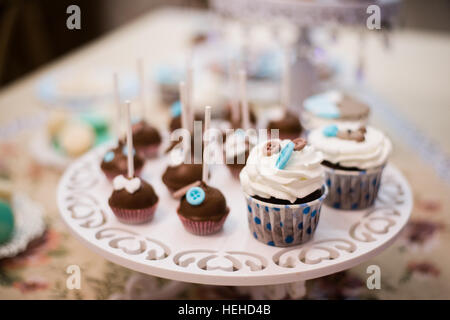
164	249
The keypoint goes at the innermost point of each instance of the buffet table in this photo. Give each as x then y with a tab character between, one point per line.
415	266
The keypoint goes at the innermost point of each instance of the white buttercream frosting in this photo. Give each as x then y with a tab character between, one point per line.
370	153
301	176
131	185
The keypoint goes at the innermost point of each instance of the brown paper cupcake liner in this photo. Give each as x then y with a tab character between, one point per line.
202	228
135	216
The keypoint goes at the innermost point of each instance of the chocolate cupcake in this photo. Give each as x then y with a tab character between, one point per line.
283	184
114	162
333	107
133	201
203	210
354	159
287	123
146	139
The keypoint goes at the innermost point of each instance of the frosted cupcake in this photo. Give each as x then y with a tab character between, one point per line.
283	183
354	159
331	107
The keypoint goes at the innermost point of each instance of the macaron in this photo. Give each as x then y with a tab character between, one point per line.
6	222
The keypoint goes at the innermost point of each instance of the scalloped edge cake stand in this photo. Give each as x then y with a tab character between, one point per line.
164	249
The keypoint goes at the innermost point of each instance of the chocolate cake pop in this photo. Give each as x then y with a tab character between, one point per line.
114	162
227	115
288	124
239	144
178	176
182	172
133	201
202	208
147	139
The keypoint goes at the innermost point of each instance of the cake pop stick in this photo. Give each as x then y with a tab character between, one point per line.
129	142
184	106
234	93
118	106
244	102
142	86
286	82
205	162
190	93
184	118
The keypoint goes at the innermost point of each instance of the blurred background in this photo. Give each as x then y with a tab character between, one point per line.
30	34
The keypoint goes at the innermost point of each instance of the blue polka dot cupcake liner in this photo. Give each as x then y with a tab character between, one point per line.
283	225
352	190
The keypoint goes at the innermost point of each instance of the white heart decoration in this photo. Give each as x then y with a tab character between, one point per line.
131	185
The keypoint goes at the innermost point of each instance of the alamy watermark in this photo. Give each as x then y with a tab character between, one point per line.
373	22
215	146
74	19
73	281
374	280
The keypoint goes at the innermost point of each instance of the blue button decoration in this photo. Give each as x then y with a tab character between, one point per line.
313	214
281	224
249	208
330	131
309	230
175	109
306	210
284	156
269	227
257	220
255	235
271	243
195	196
289	239
125	151
300	226
329	182
109	156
